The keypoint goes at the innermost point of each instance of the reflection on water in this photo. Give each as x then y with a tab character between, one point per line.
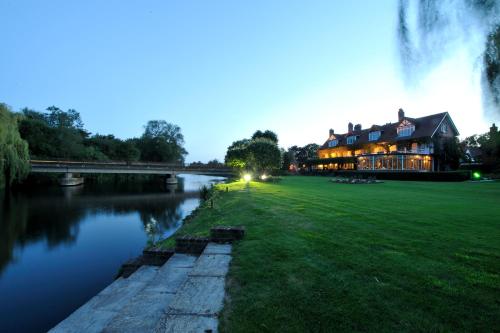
60	246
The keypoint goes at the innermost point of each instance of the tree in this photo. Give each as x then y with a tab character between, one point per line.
161	129
263	155
491	60
260	153
162	142
436	25
14	157
58	134
113	148
237	154
448	153
270	135
68	119
215	164
285	159
302	154
490	147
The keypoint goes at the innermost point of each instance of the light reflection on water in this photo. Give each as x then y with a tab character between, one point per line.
60	246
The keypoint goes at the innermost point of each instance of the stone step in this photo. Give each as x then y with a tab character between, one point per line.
186	294
144	311
96	314
197	304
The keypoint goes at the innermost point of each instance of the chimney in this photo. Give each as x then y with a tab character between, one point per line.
493	130
357	127
401	115
349	128
331	131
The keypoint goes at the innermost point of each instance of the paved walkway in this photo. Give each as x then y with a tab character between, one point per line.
186	294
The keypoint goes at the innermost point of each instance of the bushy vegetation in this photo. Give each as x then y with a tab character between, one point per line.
489	146
298	156
258	154
58	134
14	156
210	164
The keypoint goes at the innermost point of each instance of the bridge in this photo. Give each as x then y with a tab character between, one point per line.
165	169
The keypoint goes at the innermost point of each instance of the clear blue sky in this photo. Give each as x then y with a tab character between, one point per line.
222	69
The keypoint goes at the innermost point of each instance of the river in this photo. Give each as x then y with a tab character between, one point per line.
61	246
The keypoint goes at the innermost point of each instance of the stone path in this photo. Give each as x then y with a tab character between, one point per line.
186	294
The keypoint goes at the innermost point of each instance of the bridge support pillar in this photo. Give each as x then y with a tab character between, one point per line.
171	179
69	180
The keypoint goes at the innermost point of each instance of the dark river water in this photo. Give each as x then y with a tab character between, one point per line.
61	246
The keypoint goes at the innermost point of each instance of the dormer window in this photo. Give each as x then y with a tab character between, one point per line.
405	128
351	139
373	136
444	128
333	143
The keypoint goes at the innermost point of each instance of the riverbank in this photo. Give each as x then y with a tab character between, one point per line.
72	241
396	256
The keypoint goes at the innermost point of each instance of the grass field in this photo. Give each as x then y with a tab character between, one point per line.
396	256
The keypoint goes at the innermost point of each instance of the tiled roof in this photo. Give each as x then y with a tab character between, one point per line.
424	128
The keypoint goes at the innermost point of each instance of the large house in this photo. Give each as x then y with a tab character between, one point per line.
411	144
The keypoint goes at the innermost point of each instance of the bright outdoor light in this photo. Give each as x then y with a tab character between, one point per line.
247	177
263	177
476	175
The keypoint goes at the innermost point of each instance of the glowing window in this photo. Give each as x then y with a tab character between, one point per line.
351	139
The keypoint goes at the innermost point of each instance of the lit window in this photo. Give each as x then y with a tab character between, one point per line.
372	136
333	143
351	139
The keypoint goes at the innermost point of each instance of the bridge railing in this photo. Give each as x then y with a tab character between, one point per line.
124	164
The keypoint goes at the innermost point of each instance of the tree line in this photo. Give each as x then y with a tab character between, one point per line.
58	134
488	149
261	154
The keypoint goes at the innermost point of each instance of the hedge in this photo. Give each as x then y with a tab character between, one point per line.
445	176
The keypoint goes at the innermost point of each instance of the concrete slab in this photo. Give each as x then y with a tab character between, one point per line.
169	280
142	314
201	295
116	301
93	322
94	315
180	260
146	308
188	324
144	273
211	265
213	248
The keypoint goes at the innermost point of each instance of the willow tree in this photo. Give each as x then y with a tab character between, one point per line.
437	27
14	164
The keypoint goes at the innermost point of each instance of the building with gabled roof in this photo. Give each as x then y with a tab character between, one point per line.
411	144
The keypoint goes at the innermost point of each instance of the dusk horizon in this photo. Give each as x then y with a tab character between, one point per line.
223	71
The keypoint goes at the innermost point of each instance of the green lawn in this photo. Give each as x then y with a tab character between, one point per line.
397	256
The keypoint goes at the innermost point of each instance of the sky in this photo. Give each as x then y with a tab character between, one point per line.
223	69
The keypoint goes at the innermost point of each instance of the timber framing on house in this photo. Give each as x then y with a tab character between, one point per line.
411	144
